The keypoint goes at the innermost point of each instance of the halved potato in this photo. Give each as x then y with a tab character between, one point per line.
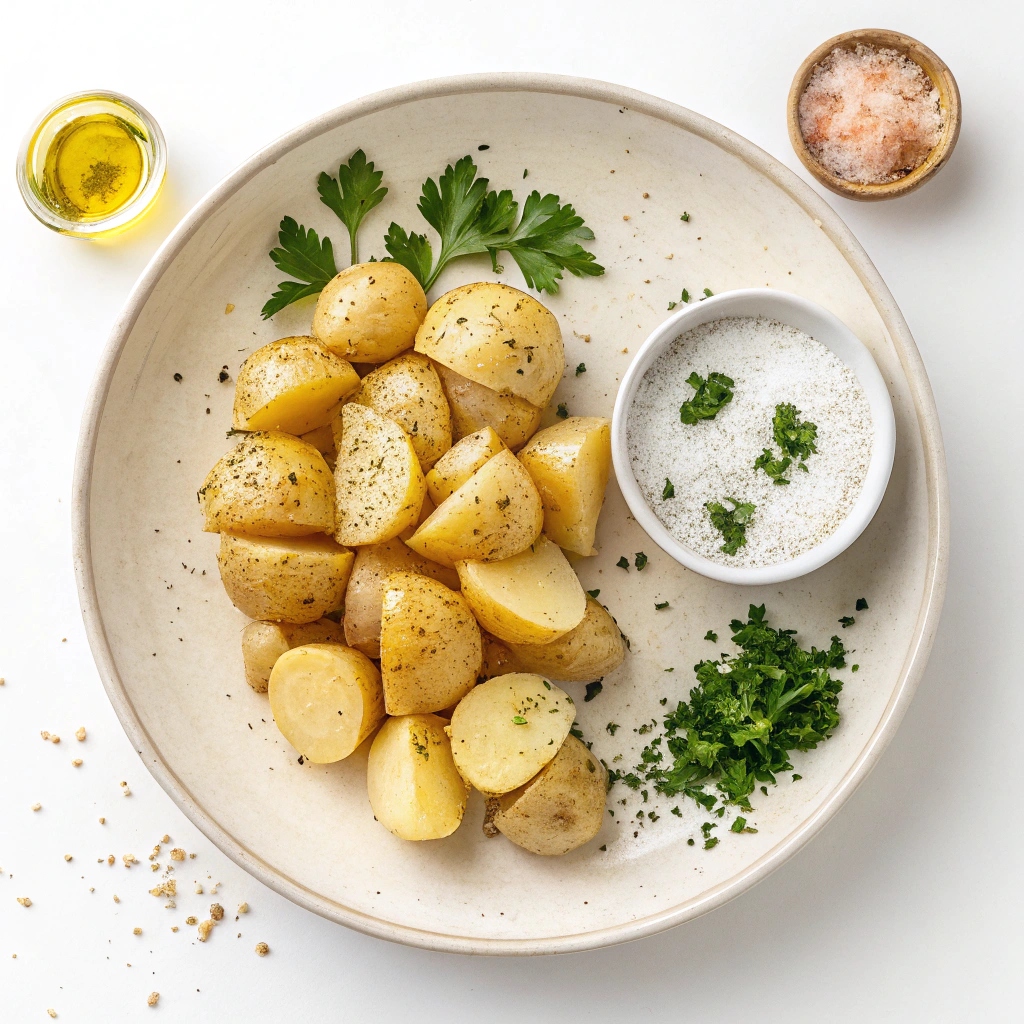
286	579
364	598
474	407
415	790
380	486
494	514
326	699
408	391
322	439
588	652
570	463
370	312
460	462
561	808
430	648
505	730
293	385
497	336
270	484
531	598
264	642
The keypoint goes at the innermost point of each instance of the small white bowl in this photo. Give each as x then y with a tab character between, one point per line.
821	325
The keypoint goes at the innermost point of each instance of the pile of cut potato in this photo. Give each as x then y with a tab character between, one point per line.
396	526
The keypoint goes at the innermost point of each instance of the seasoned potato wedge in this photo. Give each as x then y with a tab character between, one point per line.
370	312
474	407
494	514
570	463
269	485
364	598
408	391
497	336
285	579
531	598
561	808
591	650
326	699
460	462
293	385
505	730
415	789
380	486
430	647
322	439
264	642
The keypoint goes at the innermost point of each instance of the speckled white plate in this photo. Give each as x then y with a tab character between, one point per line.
166	639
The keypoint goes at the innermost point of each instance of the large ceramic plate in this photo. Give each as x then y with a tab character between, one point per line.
166	638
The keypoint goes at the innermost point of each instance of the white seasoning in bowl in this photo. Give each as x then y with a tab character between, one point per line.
713	459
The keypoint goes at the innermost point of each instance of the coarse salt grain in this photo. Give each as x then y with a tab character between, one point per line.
714	459
870	115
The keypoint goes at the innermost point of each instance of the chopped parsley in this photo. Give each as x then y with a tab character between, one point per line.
794	436
797	778
707	294
685	216
855	668
712	636
740	825
640	560
847	620
594	593
773	467
684	297
562	412
593	689
731	523
623	563
518	720
612	727
669	490
581	368
660	606
862	605
710	396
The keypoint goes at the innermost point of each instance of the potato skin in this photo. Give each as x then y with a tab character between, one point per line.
415	790
474	407
570	463
322	439
589	651
460	462
561	808
293	384
370	312
264	642
407	390
284	579
497	336
270	484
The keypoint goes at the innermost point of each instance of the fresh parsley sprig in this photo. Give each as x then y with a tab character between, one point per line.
353	194
731	523
303	255
709	398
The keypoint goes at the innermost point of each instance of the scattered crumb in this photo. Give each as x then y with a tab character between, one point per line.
155	853
24	901
37	807
129	859
199	890
77	762
80	734
136	931
111	860
154	867
168	888
205	927
52	1013
103	821
174	927
117	899
217	912
170	905
177	853
166	839
191	856
262	949
55	739
625	216
45	735
3	682
243	908
625	350
67	856
229	308
191	920
154	997
647	195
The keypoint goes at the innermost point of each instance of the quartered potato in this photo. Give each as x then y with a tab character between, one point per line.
379	483
561	808
415	790
497	336
505	730
589	651
364	597
322	439
430	648
326	699
531	598
460	462
293	385
270	484
570	463
264	642
408	391
286	579
370	312
494	514
474	406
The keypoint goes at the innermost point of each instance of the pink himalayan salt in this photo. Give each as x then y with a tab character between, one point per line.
870	115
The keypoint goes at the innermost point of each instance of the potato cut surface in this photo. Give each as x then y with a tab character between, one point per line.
531	598
460	462
415	790
497	336
506	729
293	385
379	483
326	699
570	463
270	484
494	514
264	642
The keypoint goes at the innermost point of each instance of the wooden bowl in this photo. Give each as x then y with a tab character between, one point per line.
949	103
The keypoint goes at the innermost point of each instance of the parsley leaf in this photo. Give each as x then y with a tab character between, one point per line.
593	689
731	523
581	368
353	194
303	255
669	491
562	412
660	606
862	605
712	636
640	561
794	437
774	468
707	294
623	563
740	825
847	620
711	395
685	297
594	593
612	727
685	216
411	250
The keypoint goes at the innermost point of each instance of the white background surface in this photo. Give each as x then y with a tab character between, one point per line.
907	908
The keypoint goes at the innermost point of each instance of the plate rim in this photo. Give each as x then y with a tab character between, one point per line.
936	484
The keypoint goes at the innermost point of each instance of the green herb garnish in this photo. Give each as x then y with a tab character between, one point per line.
775	468
685	297
352	195
593	689
562	412
612	727
685	216
707	294
862	605
795	437
740	825
660	606
731	523
594	593
669	490
581	368
711	395
623	563
303	255
518	720
640	560
712	636
847	620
